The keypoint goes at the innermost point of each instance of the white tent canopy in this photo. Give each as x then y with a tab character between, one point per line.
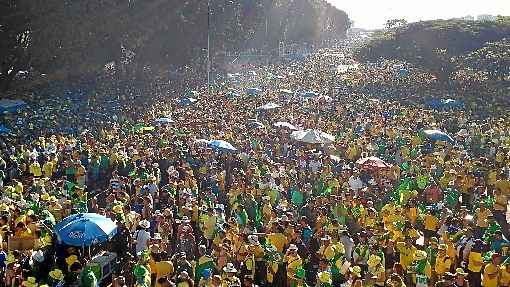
312	136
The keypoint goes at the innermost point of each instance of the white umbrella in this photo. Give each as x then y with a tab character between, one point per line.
312	136
269	106
166	120
285	125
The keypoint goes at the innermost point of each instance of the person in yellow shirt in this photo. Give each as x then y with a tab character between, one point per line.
475	264
430	222
443	262
491	272
504	274
407	251
35	169
22	230
278	239
294	262
48	168
482	219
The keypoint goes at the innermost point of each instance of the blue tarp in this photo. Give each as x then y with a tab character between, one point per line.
445	104
11	106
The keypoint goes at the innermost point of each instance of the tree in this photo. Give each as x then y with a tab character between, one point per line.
15	37
395	23
434	45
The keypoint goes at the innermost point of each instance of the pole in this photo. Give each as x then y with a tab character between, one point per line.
208	45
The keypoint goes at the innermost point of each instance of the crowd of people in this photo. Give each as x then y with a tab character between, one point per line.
380	205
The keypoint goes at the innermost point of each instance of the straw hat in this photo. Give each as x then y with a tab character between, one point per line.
374	260
71	259
253	239
325	277
292	247
30	282
356	271
229	268
57	274
144	224
460	271
10	259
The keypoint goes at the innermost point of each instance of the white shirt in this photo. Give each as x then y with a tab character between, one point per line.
142	238
355	183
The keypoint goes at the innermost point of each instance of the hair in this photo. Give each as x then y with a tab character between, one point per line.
75	266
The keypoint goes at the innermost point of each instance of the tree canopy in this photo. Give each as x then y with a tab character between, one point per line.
436	45
70	38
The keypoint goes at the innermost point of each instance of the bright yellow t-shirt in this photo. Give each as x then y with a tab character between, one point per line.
475	262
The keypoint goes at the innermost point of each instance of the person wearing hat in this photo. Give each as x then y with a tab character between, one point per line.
460	278
255	254
142	276
422	269
376	269
491	272
293	261
56	277
142	236
229	277
333	253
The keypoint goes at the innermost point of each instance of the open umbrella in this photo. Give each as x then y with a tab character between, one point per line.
186	101
373	162
285	125
85	229
253	91
163	121
256	125
4	130
437	135
222	145
310	94
312	136
269	106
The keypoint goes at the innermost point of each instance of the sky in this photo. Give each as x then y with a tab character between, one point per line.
371	14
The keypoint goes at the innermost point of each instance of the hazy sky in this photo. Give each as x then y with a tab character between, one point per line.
374	13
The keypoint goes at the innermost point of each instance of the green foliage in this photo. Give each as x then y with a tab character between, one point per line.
436	44
80	37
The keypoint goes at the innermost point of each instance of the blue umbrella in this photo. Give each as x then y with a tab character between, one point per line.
309	94
437	135
4	130
186	101
85	229
253	91
222	145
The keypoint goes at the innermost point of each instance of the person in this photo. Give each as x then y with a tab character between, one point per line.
460	278
141	237
491	272
446	280
229	277
475	264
